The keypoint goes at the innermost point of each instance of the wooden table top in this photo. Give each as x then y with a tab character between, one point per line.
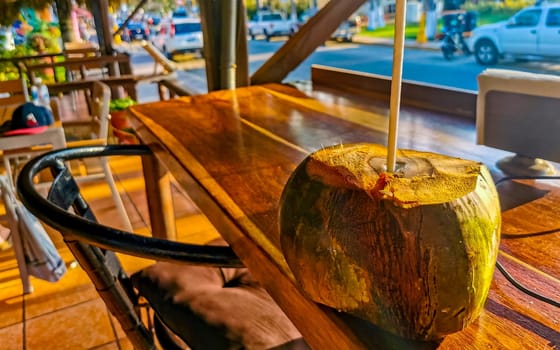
233	151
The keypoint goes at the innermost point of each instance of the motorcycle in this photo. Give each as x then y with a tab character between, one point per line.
456	25
453	41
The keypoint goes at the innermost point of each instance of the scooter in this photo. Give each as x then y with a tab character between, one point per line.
453	41
457	25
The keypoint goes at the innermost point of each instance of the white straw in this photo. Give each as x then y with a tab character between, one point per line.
398	52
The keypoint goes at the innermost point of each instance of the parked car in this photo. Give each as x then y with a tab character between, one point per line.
303	18
532	32
269	24
185	35
153	21
346	31
180	12
135	30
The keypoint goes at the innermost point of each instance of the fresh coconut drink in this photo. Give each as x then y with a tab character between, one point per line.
412	251
404	239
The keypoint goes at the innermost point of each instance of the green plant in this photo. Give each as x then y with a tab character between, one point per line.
120	104
487	12
499	10
122	129
411	31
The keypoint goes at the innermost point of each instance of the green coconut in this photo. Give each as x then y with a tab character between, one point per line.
412	251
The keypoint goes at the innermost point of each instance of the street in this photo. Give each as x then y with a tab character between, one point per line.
426	66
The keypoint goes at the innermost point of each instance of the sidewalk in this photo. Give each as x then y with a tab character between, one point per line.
410	43
147	92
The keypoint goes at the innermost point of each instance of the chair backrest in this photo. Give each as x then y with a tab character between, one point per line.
102	266
80	50
95	128
13	92
101	99
93	245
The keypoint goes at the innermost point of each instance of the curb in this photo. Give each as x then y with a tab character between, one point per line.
409	43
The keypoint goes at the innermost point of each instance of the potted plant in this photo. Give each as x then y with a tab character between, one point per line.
119	120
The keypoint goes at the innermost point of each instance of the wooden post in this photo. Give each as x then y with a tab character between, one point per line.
100	11
242	52
218	19
160	201
227	44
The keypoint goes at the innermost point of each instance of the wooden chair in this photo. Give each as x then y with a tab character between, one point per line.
95	132
73	134
118	75
200	293
12	94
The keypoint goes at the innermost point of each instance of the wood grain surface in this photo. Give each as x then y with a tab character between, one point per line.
233	151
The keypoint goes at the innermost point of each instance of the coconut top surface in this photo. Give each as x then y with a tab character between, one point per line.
420	178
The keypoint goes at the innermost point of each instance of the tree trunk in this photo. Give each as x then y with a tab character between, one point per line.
63	10
376	15
100	12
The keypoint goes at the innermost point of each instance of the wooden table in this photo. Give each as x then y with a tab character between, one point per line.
233	151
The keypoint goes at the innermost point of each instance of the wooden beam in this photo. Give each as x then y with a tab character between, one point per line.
310	36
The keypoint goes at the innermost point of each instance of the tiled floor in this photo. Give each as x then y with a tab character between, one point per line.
69	314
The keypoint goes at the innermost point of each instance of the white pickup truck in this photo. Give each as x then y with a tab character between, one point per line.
532	32
269	24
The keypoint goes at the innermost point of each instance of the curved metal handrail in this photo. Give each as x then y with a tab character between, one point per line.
103	236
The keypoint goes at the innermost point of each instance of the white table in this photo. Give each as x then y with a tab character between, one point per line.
14	147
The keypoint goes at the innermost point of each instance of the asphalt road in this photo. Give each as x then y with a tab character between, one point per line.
427	66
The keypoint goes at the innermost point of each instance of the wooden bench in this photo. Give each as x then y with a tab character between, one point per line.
444	99
112	65
127	82
113	70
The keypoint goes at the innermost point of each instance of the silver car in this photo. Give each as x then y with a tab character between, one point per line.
346	31
184	35
533	32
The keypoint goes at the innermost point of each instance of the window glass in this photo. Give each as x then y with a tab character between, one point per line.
272	17
183	28
528	18
553	18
